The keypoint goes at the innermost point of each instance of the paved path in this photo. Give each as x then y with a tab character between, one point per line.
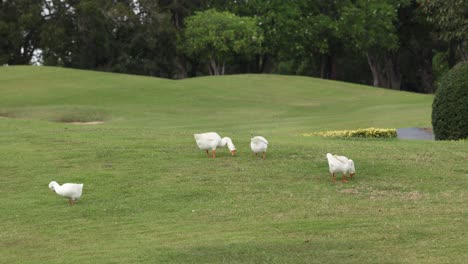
414	133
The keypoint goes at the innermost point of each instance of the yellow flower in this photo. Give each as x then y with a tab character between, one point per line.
361	132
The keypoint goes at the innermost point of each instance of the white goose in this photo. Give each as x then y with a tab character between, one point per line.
72	191
259	144
212	140
341	164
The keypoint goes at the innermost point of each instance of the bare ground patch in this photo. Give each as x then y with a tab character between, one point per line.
384	194
7	115
379	194
349	191
81	116
86	123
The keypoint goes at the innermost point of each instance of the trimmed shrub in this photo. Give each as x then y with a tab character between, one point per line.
450	106
361	132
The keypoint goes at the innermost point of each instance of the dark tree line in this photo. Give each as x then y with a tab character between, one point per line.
397	44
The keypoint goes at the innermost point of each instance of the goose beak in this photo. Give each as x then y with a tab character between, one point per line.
233	153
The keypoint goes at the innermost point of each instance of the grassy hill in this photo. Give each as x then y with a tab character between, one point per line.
150	196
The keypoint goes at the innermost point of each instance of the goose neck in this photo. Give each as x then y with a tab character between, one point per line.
58	189
227	141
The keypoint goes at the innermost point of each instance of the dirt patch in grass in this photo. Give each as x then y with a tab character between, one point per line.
87	123
81	116
86	115
414	196
385	194
379	194
7	115
349	191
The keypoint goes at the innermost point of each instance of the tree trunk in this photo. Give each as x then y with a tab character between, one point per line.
451	53
323	67
328	67
193	69
213	68
216	68
385	69
261	61
426	72
181	68
210	70
333	72
463	49
392	67
378	78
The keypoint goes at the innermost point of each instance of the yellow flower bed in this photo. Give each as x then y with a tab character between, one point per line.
361	132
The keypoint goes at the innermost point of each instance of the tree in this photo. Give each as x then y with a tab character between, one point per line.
449	109
58	33
273	19
77	34
178	10
120	36
218	36
20	27
417	49
315	34
300	33
451	19
145	39
370	26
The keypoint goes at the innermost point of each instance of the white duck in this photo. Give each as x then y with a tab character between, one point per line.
212	140
341	164
259	144
72	191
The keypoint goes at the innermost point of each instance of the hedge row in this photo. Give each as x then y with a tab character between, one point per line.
361	133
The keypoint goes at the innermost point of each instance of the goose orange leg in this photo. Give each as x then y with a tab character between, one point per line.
264	155
214	153
207	154
343	179
333	176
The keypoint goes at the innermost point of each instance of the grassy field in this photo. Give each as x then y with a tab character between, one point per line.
150	196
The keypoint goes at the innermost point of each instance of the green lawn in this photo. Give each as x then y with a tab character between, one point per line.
150	196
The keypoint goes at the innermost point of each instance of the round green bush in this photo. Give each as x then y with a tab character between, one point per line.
450	106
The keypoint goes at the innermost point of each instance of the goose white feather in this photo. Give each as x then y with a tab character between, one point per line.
259	144
211	140
72	191
340	164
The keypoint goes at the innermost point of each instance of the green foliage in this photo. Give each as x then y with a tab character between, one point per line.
451	25
440	66
359	133
20	24
111	36
450	107
449	16
218	36
276	19
370	25
330	39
